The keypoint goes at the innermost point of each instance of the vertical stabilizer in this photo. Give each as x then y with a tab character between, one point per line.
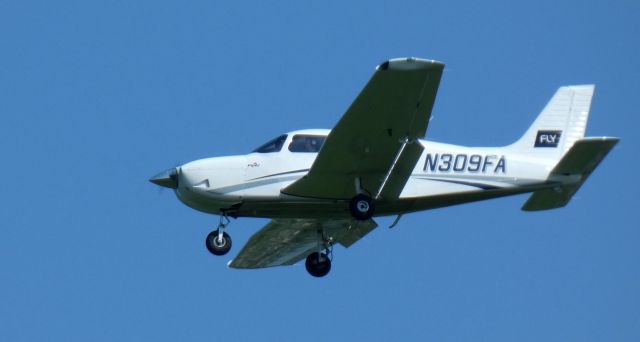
561	123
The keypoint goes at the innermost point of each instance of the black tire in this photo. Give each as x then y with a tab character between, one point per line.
361	207
218	247
316	267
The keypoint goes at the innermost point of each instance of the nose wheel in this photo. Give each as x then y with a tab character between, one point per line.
218	242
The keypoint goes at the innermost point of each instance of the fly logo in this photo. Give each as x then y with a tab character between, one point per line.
548	138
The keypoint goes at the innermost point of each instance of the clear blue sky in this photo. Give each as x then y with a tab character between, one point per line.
97	96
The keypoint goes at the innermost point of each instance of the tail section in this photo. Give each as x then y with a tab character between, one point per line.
557	138
560	124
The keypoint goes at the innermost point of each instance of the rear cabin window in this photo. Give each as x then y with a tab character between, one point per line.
306	143
274	145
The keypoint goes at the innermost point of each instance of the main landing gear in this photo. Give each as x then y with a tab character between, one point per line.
318	263
361	207
218	242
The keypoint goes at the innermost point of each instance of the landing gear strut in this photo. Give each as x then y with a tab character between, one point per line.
218	242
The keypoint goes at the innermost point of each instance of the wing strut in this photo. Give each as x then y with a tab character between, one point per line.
404	142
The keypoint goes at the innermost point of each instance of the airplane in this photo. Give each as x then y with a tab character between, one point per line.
320	187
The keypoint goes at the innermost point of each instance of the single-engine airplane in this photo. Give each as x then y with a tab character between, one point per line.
323	186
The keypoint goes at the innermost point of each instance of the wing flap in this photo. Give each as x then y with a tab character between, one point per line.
354	231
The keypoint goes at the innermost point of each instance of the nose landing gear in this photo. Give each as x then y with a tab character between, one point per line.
218	242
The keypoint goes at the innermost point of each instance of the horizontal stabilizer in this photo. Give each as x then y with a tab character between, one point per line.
572	170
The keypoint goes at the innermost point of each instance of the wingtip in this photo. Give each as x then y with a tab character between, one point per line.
409	63
588	87
612	140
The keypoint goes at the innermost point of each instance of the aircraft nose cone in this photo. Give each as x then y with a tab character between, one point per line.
167	178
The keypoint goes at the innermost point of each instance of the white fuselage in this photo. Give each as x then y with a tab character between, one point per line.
250	185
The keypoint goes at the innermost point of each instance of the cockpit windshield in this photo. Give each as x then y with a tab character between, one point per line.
306	143
274	145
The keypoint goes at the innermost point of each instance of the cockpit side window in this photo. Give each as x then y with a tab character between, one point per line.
274	145
306	143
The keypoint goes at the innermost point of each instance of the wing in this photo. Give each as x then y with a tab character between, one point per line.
395	105
287	241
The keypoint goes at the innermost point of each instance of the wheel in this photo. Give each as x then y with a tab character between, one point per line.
216	246
361	207
318	264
